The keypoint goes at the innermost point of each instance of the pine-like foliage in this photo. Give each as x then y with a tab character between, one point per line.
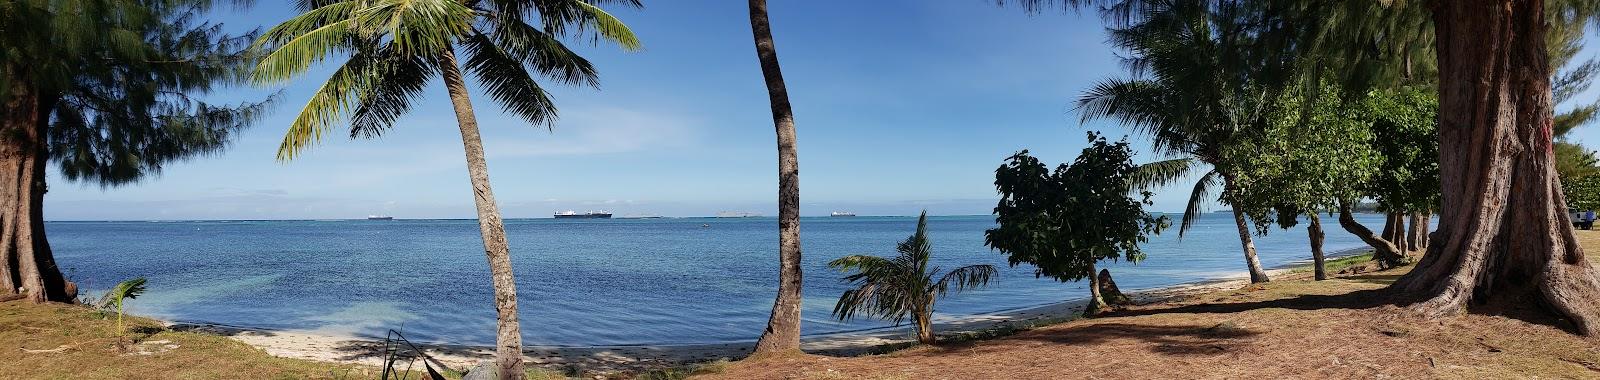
121	81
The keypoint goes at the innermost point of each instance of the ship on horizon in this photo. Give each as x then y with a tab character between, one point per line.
841	214
379	217
569	214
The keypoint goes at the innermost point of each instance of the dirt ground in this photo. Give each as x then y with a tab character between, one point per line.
1289	328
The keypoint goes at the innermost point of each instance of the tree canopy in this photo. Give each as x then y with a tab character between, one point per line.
1063	221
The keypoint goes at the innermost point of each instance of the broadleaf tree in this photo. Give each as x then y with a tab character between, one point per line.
1063	221
1322	158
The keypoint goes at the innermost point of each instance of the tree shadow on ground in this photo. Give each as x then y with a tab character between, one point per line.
1183	340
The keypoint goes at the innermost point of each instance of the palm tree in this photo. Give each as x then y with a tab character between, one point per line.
783	327
904	286
396	47
1190	94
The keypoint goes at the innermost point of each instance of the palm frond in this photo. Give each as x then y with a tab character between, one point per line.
967	277
297	52
508	82
403	79
1201	194
1161	173
543	52
328	104
125	290
610	28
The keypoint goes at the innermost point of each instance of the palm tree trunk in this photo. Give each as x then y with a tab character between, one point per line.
925	324
1504	233
1257	275
508	337
783	327
1316	236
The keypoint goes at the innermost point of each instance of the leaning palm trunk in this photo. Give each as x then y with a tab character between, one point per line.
508	337
783	327
1257	275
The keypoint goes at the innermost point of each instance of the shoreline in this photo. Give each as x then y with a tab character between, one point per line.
337	348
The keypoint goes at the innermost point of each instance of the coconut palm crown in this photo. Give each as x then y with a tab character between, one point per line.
905	286
395	47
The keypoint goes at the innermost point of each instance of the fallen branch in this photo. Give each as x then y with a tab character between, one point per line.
49	351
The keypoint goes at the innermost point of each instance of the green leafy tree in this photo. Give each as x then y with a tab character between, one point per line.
395	47
1583	193
1323	157
905	286
109	91
1064	221
1404	123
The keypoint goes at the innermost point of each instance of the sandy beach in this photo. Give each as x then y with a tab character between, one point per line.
343	348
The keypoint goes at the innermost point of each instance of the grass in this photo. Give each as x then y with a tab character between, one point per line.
59	341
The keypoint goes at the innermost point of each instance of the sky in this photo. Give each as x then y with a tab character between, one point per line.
900	106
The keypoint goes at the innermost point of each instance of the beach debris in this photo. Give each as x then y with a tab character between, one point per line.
485	370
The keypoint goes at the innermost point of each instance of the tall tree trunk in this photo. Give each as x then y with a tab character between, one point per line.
1386	253
1096	302
508	336
1395	231
1503	231
23	151
1257	274
1316	235
783	327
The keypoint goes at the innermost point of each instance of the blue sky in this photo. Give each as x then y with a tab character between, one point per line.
900	105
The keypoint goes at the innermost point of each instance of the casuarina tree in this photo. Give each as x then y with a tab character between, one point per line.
904	286
396	47
1064	221
110	91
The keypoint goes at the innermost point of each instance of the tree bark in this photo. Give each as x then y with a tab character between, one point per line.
1109	292
23	152
1314	230
1386	253
783	327
925	324
508	336
1096	302
1503	231
1257	274
1417	239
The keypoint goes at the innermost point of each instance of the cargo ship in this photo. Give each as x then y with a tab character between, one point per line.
379	217
842	213
587	215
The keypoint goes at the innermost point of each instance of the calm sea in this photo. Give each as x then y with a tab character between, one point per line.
579	282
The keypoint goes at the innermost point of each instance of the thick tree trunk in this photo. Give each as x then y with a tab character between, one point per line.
1395	231
29	262
783	327
1503	232
1386	253
508	336
1314	230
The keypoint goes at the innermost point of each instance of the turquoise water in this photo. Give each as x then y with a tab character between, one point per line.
579	282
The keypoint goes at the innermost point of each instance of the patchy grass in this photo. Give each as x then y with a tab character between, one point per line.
60	341
1290	328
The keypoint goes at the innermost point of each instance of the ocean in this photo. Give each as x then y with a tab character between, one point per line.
579	282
